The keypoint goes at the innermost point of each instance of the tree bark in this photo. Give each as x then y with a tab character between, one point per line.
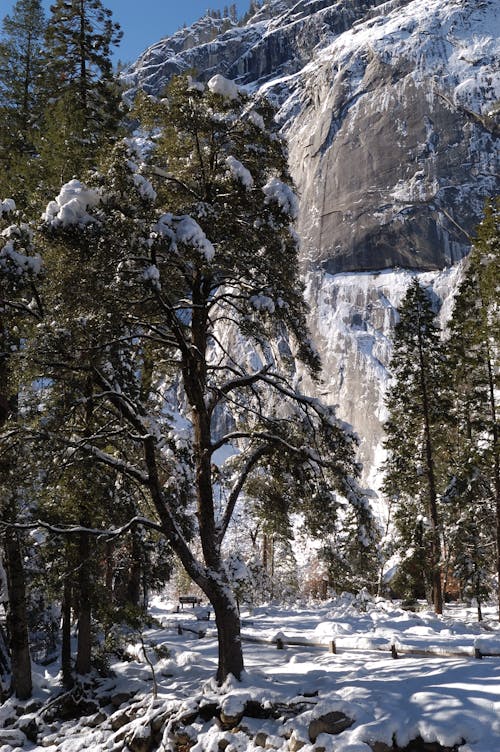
83	658
135	573
17	619
496	464
67	676
437	590
228	630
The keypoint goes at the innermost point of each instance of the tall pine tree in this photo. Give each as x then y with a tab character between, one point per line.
473	347
83	97
21	66
413	430
164	276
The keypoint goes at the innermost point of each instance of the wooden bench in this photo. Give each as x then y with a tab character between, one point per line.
185	600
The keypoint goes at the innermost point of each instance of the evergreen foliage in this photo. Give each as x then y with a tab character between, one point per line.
21	67
473	493
159	293
83	99
416	405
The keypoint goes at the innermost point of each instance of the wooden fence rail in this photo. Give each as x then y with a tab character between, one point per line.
396	650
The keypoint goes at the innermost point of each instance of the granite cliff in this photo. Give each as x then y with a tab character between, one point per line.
392	115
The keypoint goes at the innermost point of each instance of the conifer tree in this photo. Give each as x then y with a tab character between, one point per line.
84	99
164	275
19	269
21	67
413	430
473	347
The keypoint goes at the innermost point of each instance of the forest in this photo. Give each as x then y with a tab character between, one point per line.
153	427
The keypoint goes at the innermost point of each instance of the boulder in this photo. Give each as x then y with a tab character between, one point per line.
139	739
331	723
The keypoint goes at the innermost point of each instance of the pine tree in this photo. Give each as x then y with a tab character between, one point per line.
413	431
84	99
160	272
19	269
21	68
473	346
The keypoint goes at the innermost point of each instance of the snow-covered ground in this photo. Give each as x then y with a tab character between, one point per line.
446	696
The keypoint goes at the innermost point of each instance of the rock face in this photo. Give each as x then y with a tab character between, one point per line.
391	111
393	151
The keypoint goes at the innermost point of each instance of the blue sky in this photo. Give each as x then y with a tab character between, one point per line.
146	21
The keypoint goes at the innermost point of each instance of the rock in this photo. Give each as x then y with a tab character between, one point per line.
230	721
183	741
13	737
158	721
390	148
331	723
29	727
139	740
260	739
295	743
30	706
223	744
96	719
120	698
416	745
119	719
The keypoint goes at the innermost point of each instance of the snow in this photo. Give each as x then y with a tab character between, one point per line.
262	303
152	274
7	205
282	194
184	229
451	699
71	205
13	259
239	172
144	187
257	120
224	87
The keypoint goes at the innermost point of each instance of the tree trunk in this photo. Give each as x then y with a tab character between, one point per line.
437	591
110	572
496	464
135	578
228	631
17	619
83	658
67	675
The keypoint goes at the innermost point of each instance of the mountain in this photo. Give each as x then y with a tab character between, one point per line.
391	112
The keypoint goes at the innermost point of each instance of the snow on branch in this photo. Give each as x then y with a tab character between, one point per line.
184	229
224	87
7	206
76	529
281	193
70	207
14	260
239	172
